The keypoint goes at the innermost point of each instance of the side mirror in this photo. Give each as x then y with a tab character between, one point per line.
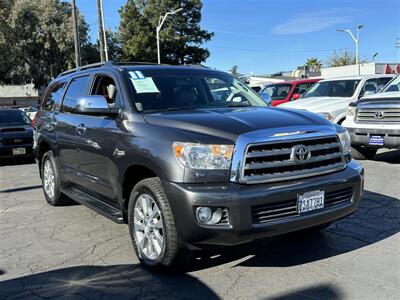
296	96
94	105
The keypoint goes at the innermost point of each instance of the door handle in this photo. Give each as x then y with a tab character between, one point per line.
81	129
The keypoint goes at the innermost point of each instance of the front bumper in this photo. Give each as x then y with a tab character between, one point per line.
239	199
360	133
6	151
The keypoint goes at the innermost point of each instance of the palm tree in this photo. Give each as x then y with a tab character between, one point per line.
314	64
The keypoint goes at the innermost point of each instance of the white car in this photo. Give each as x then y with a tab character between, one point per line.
331	97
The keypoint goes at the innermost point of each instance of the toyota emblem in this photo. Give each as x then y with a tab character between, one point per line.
379	115
300	154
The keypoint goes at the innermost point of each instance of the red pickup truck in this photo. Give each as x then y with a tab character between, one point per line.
285	91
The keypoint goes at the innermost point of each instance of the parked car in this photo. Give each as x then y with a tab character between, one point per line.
374	122
16	134
31	111
331	97
286	91
150	146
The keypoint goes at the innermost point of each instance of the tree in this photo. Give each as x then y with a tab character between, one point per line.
341	59
38	38
181	35
235	72
314	64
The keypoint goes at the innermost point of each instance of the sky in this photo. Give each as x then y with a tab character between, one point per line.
267	36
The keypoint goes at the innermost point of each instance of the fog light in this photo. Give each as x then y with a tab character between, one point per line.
203	214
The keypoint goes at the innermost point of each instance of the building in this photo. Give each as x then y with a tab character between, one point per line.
18	95
361	69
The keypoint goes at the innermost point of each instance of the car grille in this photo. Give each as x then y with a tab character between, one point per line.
378	115
273	161
274	211
16	141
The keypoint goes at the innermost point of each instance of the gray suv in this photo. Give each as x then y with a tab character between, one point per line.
158	148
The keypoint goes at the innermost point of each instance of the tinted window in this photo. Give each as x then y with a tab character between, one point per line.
393	86
13	118
334	88
278	91
52	99
300	88
76	89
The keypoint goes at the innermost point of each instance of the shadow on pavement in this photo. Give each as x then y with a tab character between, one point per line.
17	161
106	282
323	291
20	189
376	219
392	157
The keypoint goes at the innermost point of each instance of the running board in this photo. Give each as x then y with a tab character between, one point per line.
97	205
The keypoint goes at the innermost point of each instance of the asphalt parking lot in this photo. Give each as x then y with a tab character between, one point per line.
72	252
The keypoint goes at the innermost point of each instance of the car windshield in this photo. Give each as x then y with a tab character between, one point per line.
172	89
277	91
13	118
392	86
333	88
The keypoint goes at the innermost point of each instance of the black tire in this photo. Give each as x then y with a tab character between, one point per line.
58	199
363	153
174	254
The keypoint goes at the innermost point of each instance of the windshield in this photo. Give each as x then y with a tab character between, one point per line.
392	86
161	90
334	88
277	91
13	118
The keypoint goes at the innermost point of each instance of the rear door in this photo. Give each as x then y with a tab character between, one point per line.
97	140
66	125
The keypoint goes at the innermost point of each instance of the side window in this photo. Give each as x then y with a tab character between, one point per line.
76	89
52	99
300	88
106	87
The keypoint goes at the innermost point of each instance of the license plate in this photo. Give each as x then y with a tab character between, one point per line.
19	151
376	140
310	201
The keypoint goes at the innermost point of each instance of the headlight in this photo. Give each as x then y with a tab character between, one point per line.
351	112
345	141
200	156
327	116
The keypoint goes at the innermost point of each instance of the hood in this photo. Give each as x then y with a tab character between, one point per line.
16	130
318	104
385	95
231	122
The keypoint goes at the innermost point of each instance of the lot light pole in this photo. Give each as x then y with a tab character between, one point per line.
355	39
76	35
160	24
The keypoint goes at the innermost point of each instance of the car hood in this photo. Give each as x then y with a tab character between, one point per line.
231	122
16	131
319	104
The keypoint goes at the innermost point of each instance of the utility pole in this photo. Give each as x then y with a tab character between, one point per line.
76	35
102	32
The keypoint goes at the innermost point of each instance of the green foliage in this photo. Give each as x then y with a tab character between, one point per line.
314	64
181	36
341	59
37	37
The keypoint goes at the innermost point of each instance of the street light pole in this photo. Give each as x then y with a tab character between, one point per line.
355	39
76	35
160	24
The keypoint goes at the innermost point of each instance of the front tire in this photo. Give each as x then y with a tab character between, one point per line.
51	181
363	153
152	227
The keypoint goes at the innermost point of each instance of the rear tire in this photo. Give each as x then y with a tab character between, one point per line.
51	181
363	153
152	228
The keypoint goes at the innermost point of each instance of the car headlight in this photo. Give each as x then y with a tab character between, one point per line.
345	141
351	112
327	116
202	156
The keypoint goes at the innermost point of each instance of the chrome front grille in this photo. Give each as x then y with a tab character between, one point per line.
265	213
378	115
275	161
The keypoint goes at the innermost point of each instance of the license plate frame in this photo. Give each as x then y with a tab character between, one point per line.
310	201
19	151
376	140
